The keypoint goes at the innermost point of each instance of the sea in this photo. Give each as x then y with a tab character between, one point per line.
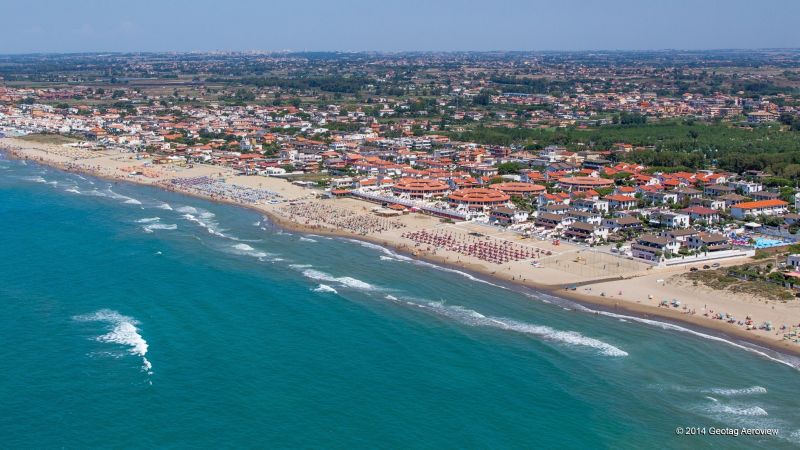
134	318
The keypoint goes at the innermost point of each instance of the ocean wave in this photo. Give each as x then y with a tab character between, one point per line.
736	392
300	266
325	288
737	410
148	220
344	281
35	179
305	239
474	318
789	361
165	206
245	249
73	190
207	225
394	256
159	226
125	199
123	331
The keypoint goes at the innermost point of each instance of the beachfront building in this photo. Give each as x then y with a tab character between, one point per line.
478	198
586	232
653	248
584	183
516	189
709	242
503	215
418	188
759	208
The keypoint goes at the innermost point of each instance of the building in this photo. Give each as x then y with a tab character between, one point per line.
669	219
420	188
653	248
759	208
624	223
506	216
586	232
584	183
516	189
710	242
701	213
478	198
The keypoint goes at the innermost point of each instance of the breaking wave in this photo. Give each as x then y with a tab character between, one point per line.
122	331
159	226
476	319
344	281
325	288
737	392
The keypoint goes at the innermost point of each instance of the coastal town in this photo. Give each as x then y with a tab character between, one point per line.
503	166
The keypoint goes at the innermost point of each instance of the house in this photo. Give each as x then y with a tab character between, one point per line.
661	197
685	194
793	261
701	213
588	204
765	195
586	232
746	187
549	220
732	199
623	223
681	235
759	208
618	202
709	242
669	219
652	248
715	190
591	217
507	216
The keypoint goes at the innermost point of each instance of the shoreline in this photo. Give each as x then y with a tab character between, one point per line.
698	324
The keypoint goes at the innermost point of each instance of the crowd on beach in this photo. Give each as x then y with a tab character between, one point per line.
218	189
315	213
485	248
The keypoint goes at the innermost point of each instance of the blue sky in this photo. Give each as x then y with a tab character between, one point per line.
178	25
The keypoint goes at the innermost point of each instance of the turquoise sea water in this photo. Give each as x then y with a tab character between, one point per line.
133	317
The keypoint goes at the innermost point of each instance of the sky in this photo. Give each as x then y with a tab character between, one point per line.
66	26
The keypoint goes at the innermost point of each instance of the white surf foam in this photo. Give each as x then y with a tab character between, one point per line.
35	179
752	390
672	327
473	318
344	281
73	190
165	206
245	249
325	288
300	266
737	410
209	227
149	228
148	220
305	239
123	331
125	199
390	255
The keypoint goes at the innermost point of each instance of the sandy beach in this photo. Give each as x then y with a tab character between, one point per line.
614	283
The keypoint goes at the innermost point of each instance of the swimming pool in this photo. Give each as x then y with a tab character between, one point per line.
768	243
